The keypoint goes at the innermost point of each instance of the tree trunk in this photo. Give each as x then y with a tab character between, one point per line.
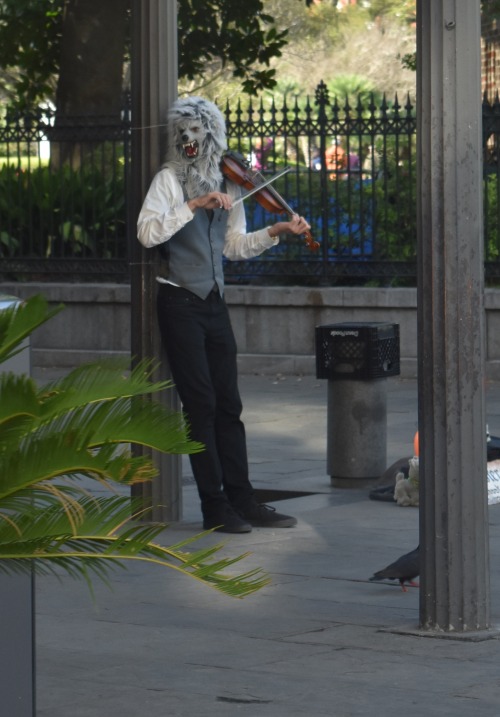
92	50
90	77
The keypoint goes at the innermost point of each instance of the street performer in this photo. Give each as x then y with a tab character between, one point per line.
190	213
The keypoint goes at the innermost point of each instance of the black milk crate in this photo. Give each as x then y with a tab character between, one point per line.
357	350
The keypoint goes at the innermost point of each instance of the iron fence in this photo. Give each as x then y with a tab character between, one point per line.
63	196
352	173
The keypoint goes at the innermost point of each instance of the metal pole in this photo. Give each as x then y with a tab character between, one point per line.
154	87
17	595
454	592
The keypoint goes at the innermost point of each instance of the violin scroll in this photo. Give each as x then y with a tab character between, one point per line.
311	243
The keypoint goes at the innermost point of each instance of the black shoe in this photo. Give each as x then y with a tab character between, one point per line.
227	522
265	516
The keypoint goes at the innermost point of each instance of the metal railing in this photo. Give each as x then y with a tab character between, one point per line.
63	191
353	177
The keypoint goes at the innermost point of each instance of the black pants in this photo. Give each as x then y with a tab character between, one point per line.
201	350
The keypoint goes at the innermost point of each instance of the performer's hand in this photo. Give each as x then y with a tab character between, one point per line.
213	200
296	225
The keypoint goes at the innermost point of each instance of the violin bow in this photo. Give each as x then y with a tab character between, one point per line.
261	186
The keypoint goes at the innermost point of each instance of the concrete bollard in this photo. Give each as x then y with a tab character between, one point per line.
356	431
357	359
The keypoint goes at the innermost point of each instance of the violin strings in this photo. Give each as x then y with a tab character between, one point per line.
274	192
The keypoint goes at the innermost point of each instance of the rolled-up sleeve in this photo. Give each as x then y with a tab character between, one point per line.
164	211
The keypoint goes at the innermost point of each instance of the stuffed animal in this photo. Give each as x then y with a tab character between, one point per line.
406	491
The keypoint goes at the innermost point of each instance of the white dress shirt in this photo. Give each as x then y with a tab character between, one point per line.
165	211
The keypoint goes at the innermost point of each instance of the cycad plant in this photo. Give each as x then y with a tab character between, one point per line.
53	438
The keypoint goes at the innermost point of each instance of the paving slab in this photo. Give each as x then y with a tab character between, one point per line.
320	640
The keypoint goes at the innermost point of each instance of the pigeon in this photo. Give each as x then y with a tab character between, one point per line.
404	569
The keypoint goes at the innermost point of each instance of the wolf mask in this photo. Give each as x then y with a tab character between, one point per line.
196	141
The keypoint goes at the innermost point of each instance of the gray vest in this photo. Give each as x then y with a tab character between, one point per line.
195	253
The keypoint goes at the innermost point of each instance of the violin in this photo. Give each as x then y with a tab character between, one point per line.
235	168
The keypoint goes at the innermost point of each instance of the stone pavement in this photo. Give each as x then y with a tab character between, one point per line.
319	641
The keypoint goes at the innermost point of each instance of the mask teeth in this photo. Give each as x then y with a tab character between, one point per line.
191	148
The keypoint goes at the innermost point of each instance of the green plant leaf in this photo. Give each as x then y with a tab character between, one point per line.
17	323
82	426
52	541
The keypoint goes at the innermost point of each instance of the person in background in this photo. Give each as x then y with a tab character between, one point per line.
335	159
261	151
353	163
315	163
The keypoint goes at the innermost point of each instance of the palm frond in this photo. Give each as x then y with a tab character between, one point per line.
49	539
52	458
139	421
82	426
17	323
18	397
86	442
104	380
78	563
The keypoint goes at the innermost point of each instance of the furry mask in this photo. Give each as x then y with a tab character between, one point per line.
195	144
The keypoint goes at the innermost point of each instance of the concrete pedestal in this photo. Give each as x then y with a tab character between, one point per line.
356	431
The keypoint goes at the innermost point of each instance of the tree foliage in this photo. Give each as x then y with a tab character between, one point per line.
30	34
329	44
239	34
490	10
